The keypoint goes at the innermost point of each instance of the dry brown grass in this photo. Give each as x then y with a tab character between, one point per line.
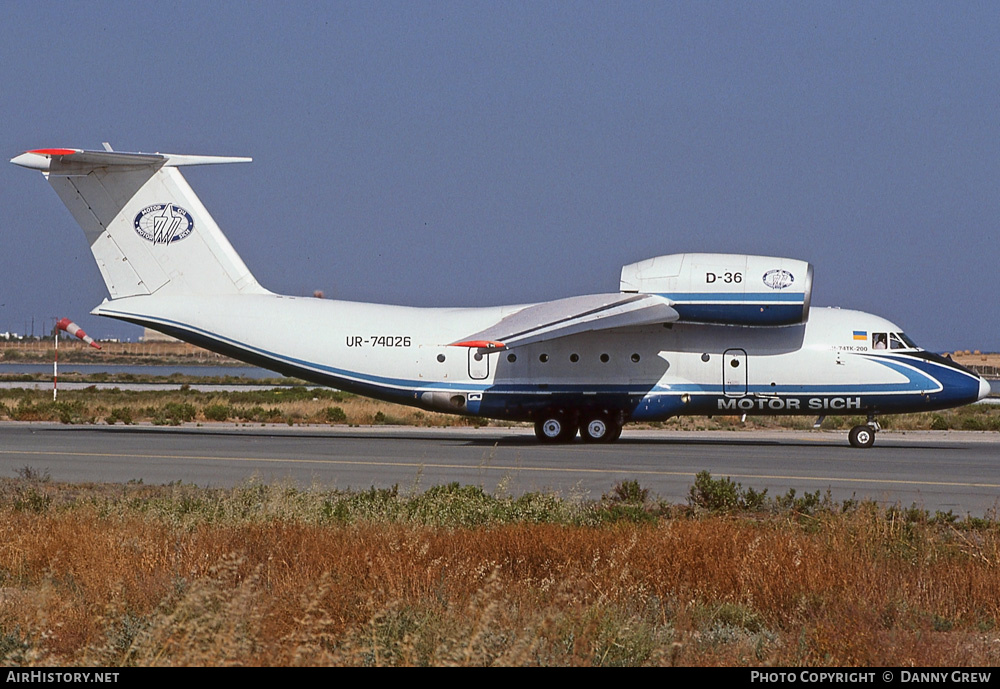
167	407
137	575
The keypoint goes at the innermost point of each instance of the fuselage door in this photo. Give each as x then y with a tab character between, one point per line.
734	373
479	364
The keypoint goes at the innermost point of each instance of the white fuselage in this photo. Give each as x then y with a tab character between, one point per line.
403	354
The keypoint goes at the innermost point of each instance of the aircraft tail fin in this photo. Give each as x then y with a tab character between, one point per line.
147	229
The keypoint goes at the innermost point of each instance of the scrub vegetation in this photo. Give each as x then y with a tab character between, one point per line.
120	575
286	405
304	405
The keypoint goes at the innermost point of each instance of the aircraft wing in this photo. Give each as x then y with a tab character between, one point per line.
552	319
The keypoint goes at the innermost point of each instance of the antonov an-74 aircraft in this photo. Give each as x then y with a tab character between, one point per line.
686	334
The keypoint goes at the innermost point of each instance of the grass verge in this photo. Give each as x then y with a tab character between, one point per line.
120	575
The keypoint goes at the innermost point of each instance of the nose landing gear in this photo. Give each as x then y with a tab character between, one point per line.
863	437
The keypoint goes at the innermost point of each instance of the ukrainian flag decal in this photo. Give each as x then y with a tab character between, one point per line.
860	334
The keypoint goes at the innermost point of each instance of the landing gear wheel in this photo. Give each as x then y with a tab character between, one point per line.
555	428
862	437
600	429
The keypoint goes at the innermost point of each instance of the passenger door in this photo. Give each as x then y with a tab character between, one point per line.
734	373
479	364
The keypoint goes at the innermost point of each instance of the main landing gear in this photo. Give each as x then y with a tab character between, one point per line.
863	437
555	428
600	428
558	427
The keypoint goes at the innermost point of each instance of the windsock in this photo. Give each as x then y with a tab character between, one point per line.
73	329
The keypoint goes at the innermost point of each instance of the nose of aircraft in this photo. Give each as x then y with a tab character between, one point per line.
984	387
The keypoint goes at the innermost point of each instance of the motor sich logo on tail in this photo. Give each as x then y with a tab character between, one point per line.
163	223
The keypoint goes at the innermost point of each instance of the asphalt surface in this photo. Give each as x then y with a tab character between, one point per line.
933	470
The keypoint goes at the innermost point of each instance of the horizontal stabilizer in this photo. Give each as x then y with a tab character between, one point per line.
75	160
571	316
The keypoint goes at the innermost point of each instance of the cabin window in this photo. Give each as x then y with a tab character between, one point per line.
574	358
705	357
543	357
441	358
605	358
635	358
895	342
512	358
880	340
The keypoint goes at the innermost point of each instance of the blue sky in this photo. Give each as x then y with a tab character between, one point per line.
476	153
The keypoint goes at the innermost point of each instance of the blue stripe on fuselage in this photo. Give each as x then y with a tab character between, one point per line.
929	385
955	385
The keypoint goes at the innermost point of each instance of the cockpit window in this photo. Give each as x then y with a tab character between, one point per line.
892	341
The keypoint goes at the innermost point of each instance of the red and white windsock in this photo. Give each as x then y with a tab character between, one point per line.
73	329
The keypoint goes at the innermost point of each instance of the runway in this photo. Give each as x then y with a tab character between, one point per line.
935	470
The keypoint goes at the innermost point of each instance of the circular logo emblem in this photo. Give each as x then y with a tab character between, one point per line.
778	279
163	223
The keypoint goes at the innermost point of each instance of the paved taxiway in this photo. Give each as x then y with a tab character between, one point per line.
944	471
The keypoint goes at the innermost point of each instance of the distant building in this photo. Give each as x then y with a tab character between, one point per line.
149	335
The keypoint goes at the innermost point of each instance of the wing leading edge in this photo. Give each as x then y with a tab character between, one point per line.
562	317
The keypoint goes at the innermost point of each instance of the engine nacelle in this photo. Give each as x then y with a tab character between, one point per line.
729	289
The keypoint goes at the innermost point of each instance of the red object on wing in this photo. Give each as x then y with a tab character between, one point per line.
481	344
54	151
